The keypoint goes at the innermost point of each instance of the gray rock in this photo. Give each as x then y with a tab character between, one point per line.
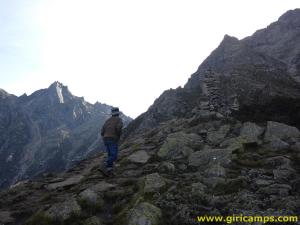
234	144
205	115
139	157
93	221
144	214
261	182
91	198
182	166
68	182
203	132
198	187
64	210
278	162
212	182
278	145
179	145
215	170
6	218
102	186
153	182
216	137
204	158
282	131
296	147
275	189
167	167
283	175
251	132
219	116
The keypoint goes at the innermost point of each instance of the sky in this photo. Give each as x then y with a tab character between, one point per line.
122	53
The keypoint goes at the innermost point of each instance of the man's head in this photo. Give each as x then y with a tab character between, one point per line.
115	111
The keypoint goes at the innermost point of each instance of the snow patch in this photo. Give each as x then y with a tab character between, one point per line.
74	114
9	158
59	93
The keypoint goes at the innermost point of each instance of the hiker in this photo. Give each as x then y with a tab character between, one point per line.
111	133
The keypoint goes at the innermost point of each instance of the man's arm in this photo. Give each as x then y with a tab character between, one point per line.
119	128
103	129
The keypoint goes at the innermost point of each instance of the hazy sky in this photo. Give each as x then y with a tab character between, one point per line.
124	53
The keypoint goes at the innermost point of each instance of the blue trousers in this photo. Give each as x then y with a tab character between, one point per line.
112	152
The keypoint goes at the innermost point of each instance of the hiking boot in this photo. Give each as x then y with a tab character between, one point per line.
107	171
103	169
110	172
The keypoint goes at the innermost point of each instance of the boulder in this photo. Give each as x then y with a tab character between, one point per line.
66	183
91	198
296	147
282	131
167	167
283	175
64	210
179	145
212	182
203	116
6	218
144	214
153	182
281	190
204	158
92	221
278	162
182	166
251	132
215	170
278	145
263	182
102	186
216	137
198	188
140	157
234	144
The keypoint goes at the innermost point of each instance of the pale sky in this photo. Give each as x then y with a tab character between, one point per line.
121	52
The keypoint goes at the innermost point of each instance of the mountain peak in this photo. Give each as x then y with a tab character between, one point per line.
60	91
57	84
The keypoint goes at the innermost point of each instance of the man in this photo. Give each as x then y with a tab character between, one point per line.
111	133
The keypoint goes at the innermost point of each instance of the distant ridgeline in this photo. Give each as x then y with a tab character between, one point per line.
49	130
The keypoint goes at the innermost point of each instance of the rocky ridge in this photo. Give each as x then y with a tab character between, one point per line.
253	79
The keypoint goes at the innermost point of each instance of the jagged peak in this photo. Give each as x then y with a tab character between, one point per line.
229	40
58	90
57	84
3	92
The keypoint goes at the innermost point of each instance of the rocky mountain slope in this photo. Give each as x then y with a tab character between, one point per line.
256	79
222	145
50	130
181	169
